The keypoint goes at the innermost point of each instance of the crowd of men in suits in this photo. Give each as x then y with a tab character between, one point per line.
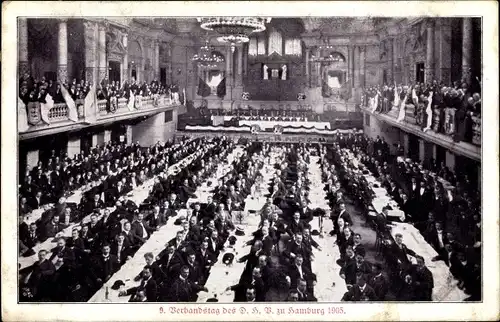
35	90
84	261
278	267
463	97
449	221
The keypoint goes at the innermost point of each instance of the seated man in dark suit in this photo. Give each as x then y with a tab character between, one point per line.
120	249
378	282
141	229
304	296
103	266
31	237
148	286
64	253
40	280
360	292
51	229
298	271
182	289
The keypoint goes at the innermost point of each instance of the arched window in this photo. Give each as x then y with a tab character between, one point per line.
336	56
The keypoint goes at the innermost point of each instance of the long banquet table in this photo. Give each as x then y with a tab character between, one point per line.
445	285
271	124
223	276
155	244
138	196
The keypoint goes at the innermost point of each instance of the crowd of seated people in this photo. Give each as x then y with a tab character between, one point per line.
180	270
278	266
449	222
127	219
266	114
464	98
35	90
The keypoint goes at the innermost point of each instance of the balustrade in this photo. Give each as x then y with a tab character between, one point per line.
58	112
443	120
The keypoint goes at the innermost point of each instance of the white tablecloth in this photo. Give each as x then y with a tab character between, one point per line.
223	276
270	124
445	285
138	196
155	244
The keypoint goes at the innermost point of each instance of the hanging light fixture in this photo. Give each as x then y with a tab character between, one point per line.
207	57
234	30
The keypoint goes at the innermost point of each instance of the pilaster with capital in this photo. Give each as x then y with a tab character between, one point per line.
443	52
350	58
362	68
62	51
90	42
466	49
125	76
103	66
23	46
357	67
429	57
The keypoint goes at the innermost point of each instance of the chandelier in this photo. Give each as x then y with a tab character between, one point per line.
207	57
234	30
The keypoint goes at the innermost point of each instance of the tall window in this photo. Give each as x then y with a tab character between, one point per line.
275	43
293	47
252	47
261	46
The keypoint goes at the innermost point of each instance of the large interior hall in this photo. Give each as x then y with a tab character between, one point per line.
249	159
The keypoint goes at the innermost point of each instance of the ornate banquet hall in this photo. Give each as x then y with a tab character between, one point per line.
249	159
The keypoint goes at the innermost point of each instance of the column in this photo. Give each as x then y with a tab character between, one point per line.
390	71
306	62
107	136
466	49
406	143
318	69
125	59
95	140
62	51
74	146
350	64
356	64
245	59
103	66
156	57
421	150
397	68
362	52
450	160
429	57
23	46
90	31
443	52
128	134
239	57
229	72
32	158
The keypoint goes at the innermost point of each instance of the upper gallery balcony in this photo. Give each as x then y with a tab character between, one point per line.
47	118
461	135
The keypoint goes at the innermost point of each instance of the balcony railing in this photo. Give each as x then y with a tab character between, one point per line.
444	121
60	113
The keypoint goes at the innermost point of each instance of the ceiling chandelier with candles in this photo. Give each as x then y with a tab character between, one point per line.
234	30
207	57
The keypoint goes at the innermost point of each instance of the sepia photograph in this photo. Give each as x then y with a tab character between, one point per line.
196	162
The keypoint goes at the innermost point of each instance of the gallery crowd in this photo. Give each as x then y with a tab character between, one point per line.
35	90
463	98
